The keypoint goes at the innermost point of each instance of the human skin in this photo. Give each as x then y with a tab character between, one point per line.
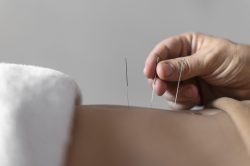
119	135
212	67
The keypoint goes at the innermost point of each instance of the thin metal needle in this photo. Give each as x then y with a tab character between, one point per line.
153	86
178	85
126	70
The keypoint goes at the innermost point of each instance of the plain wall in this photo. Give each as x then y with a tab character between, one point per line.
88	39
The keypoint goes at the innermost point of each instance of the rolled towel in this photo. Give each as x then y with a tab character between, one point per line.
36	110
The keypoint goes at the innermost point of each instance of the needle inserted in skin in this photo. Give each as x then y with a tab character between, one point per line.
126	70
153	85
178	85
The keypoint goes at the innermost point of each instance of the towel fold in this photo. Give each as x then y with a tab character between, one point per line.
36	110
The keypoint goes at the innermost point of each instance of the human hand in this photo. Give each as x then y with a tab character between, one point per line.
212	68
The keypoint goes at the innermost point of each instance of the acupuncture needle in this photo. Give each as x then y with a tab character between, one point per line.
153	85
126	71
178	85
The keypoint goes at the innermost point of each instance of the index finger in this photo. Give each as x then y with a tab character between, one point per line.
170	48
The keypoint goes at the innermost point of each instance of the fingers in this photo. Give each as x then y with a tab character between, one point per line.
188	96
175	53
168	49
160	86
189	66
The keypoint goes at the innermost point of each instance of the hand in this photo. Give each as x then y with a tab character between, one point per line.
212	68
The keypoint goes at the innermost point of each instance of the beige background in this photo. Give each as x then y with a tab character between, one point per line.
88	39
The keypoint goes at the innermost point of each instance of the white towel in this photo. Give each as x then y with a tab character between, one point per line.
36	110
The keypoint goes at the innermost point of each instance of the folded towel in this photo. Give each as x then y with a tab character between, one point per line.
36	110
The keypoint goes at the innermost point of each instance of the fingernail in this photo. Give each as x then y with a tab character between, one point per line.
188	92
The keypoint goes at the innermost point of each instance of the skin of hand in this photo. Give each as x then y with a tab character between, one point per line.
212	67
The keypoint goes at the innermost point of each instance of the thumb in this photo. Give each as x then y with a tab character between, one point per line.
191	66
